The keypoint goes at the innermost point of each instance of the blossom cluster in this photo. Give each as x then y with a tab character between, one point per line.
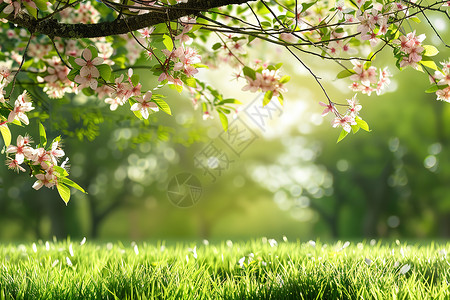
411	49
349	118
265	80
442	79
365	79
43	163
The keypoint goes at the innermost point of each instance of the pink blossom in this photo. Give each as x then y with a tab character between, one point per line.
55	153
353	106
88	64
13	164
21	151
144	104
328	107
44	179
21	106
444	94
345	122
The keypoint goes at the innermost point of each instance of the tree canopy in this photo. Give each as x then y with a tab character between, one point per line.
53	52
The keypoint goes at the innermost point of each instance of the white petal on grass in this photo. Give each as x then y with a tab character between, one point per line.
241	262
396	264
373	242
187	258
47	246
405	269
205	242
222	257
71	250
55	263
69	262
83	241
312	243
368	261
34	248
346	244
285	239
229	243
272	243
136	250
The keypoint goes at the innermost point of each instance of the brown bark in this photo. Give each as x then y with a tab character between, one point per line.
53	28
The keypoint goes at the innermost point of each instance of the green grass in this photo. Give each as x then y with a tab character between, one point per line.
251	270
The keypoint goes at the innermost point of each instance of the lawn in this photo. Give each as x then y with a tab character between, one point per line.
266	269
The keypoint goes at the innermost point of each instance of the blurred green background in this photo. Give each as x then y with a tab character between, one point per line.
292	180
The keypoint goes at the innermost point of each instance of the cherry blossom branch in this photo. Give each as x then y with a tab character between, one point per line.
52	27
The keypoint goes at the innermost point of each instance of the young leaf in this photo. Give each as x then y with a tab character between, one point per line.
105	71
162	105
61	171
285	79
223	120
230	100
72	184
345	73
64	192
430	50
432	89
267	97
342	135
42	135
428	62
6	133
249	72
361	123
168	42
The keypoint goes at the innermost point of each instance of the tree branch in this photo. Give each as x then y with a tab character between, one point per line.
53	28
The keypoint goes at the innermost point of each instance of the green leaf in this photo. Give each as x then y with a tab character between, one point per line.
190	81
64	192
281	99
345	73
363	124
285	79
229	101
42	135
223	120
61	171
74	72
135	79
432	89
342	135
6	133
31	10
428	62
168	42
73	63
72	184
305	6
105	71
415	19
249	72
216	46
355	128
430	50
93	51
162	105
267	97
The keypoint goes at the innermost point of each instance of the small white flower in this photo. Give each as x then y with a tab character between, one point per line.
83	241
34	248
55	263
71	250
69	262
368	261
405	269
